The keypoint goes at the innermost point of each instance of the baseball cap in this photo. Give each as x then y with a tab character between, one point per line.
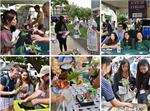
44	70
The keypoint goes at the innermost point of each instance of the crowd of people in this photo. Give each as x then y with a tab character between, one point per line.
37	92
138	80
124	38
9	23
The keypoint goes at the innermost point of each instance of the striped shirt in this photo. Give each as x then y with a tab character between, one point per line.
106	89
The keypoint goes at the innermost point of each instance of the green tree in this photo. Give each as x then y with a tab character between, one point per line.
122	17
36	62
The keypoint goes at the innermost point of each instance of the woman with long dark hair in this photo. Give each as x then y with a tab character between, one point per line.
141	43
142	81
25	81
111	43
8	19
123	72
127	42
60	29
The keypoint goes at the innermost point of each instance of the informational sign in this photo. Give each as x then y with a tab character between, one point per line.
91	39
138	9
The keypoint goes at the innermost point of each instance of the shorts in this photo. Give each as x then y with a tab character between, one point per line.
4	102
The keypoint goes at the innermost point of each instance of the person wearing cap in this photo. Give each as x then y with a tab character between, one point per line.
43	88
46	25
60	29
39	18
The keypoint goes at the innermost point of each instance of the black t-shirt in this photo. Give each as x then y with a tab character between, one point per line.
113	43
109	28
11	86
124	26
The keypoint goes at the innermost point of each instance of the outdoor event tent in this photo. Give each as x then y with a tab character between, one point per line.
8	67
118	6
23	1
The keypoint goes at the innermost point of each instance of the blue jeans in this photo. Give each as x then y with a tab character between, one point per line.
142	98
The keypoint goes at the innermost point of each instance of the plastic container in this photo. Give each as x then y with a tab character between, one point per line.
17	108
118	47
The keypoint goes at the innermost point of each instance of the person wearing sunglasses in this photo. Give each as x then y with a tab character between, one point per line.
120	32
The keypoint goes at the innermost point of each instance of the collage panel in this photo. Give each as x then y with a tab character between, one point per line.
24	83
125	83
25	28
125	27
75	27
76	83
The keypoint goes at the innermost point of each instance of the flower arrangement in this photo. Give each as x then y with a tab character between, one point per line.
64	79
125	82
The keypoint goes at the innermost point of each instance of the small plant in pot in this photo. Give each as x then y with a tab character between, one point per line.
34	50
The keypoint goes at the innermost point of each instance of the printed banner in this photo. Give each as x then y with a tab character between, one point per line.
138	8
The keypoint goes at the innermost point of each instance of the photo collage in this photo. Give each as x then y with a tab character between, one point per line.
75	55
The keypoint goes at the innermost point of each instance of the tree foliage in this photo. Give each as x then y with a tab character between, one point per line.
36	62
59	2
122	17
79	11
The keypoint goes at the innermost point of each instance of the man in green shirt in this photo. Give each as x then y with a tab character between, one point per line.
39	19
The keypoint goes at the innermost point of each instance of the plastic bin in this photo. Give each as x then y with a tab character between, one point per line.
17	108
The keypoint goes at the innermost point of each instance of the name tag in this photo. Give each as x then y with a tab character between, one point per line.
43	94
142	91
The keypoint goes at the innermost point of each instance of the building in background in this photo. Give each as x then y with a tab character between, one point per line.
95	6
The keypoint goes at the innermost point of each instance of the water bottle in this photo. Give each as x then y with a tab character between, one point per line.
118	47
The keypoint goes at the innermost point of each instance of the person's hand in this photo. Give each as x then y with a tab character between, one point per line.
29	24
129	105
35	30
25	100
16	39
14	92
98	32
57	98
36	38
34	102
25	95
135	90
68	61
87	94
73	62
63	32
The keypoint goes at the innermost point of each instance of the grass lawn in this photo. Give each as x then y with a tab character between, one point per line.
83	30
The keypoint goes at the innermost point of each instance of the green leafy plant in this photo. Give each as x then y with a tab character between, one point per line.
125	82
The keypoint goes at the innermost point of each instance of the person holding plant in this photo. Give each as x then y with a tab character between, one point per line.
111	43
141	43
142	81
8	19
60	29
7	89
123	72
27	85
46	26
106	89
127	42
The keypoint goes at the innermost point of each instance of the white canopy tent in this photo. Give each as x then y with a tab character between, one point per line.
23	1
118	6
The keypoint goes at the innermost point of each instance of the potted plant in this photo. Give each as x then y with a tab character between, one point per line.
125	82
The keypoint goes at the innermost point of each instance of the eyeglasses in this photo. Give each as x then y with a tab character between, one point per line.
119	26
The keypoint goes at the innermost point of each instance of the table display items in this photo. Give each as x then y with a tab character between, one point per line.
86	101
105	106
136	107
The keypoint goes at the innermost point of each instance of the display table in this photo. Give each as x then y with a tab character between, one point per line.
106	106
125	52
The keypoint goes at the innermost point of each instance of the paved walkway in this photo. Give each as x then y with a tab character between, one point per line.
71	45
